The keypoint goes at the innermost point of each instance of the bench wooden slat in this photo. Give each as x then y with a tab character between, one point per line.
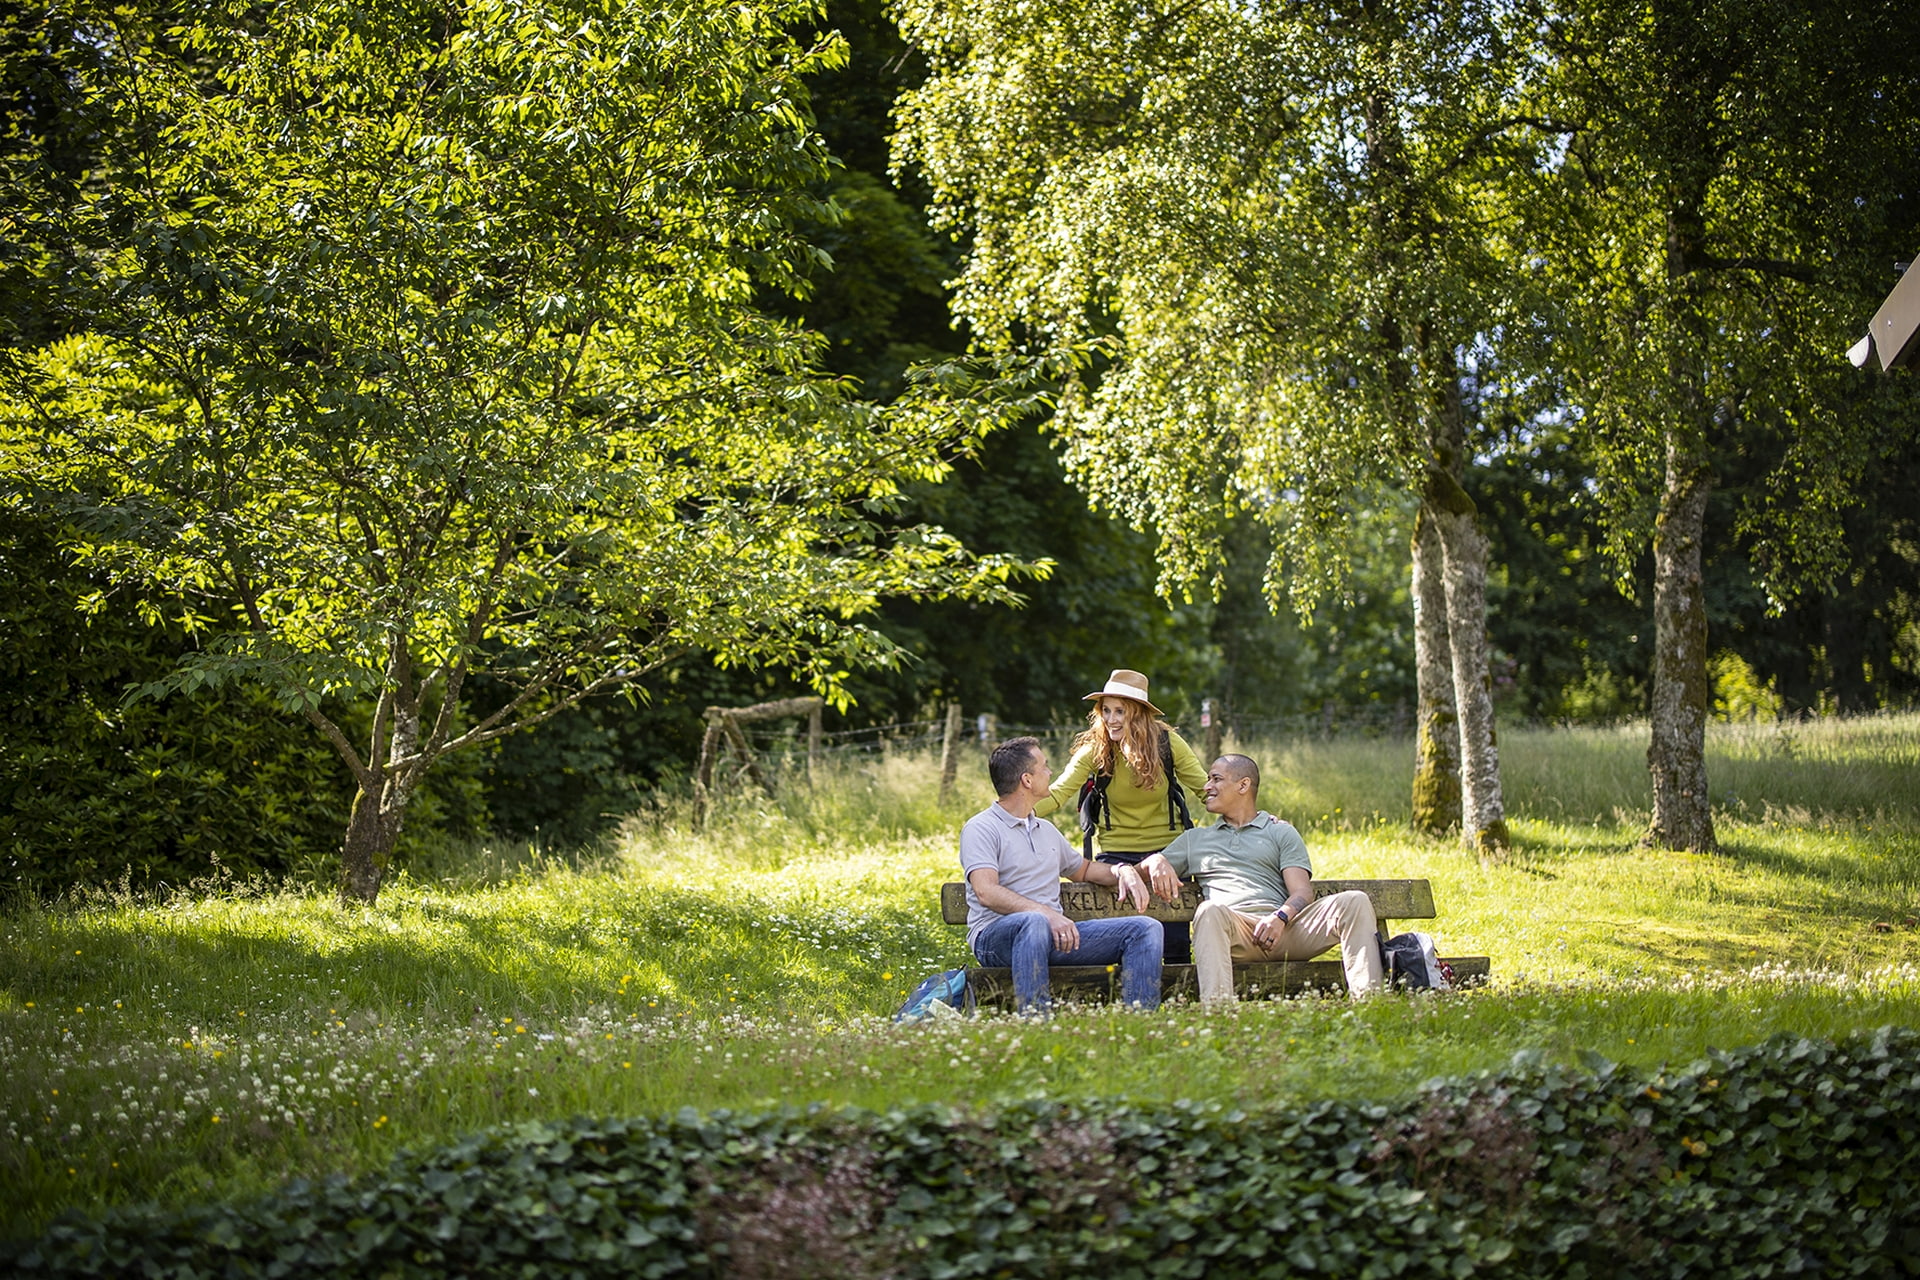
1392	900
1096	982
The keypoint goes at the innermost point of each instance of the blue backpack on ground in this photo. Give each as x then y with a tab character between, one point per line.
943	993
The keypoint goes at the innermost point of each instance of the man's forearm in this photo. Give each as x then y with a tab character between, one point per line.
1295	904
1004	901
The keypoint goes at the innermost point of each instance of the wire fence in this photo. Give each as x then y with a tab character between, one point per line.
783	744
981	731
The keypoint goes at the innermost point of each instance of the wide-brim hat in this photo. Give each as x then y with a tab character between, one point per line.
1125	684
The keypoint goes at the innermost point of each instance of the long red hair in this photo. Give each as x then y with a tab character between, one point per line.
1139	741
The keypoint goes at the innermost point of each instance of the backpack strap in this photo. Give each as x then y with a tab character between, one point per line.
1176	794
1094	809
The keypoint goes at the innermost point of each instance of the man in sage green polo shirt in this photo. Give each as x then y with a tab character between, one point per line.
1258	883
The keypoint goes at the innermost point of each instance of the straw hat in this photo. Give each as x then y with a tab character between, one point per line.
1125	684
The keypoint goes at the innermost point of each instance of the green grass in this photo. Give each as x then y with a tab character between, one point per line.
214	1046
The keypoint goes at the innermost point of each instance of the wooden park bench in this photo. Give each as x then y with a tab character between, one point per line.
1392	900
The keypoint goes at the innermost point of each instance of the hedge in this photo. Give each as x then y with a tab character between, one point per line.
1794	1157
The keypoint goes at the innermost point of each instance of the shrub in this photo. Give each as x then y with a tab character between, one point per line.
1791	1156
98	788
94	787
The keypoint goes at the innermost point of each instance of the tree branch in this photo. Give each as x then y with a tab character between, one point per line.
368	780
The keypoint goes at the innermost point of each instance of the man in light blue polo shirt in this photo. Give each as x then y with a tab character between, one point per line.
1014	863
1258	883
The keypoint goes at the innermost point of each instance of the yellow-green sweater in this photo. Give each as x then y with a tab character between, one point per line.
1139	817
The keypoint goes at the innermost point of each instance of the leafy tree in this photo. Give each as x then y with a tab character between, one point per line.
1730	173
1287	216
427	337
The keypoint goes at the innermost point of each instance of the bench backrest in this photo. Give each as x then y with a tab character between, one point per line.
1392	900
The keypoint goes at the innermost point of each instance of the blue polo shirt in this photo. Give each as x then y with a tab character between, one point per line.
1240	867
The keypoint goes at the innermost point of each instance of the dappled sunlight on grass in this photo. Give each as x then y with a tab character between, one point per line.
186	1048
1591	902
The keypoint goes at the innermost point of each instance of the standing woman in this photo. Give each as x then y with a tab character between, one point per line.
1147	783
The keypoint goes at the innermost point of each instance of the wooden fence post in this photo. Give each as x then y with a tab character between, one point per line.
739	742
1210	721
703	771
814	737
950	752
723	725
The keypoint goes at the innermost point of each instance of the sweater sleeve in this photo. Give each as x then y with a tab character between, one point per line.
1067	786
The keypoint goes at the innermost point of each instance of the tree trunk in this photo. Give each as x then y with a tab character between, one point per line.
380	805
1463	557
1676	755
1483	811
1436	761
372	830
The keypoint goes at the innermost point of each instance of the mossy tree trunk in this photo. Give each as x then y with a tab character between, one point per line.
1436	764
372	831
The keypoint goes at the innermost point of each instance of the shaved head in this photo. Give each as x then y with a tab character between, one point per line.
1237	766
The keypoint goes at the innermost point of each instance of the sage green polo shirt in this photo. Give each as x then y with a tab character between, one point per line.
1240	867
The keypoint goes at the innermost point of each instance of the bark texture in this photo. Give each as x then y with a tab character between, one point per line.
380	804
1436	763
372	831
1676	753
1483	811
1463	556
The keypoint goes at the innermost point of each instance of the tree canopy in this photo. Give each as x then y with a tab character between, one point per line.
425	340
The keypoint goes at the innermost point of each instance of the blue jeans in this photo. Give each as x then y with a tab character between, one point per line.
1023	943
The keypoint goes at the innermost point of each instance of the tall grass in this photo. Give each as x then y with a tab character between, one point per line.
211	1045
1823	771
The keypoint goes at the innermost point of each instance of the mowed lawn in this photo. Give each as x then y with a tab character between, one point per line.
215	1046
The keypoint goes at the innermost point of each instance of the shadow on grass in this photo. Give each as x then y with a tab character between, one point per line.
622	949
1839	880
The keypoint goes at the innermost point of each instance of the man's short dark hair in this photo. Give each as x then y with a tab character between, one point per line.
1008	761
1242	767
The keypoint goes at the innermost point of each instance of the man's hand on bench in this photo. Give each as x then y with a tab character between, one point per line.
1129	887
1166	885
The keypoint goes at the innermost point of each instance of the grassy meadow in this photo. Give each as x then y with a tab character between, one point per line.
214	1044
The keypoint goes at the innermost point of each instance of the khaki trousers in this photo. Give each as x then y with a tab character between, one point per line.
1222	935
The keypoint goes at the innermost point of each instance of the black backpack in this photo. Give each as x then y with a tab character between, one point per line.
1095	811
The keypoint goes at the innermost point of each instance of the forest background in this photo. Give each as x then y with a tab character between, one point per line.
93	784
